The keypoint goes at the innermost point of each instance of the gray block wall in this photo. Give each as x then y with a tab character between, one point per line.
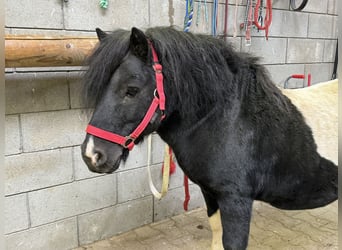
52	200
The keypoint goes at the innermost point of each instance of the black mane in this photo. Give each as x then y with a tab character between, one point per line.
199	71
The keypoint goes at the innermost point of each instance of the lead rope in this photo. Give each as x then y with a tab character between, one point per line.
166	170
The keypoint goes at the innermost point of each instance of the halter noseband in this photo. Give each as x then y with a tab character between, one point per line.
158	101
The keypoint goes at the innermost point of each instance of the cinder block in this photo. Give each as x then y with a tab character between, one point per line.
329	50
49	130
132	184
41	14
322	26
281	72
280	4
172	203
235	42
320	72
113	220
75	83
67	200
27	172
136	158
289	24
87	15
176	13
12	135
304	50
81	169
16	215
32	92
54	236
319	6
332	7
162	13
272	51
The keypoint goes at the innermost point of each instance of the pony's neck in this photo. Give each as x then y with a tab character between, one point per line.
177	129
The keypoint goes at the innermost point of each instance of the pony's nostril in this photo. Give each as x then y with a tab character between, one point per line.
98	159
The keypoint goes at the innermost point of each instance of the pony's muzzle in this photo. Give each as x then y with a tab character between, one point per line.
95	157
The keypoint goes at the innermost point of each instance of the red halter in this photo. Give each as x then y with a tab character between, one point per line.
158	101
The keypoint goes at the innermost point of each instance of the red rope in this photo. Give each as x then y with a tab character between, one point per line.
187	193
172	163
268	18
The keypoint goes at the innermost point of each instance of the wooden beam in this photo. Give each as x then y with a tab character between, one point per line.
37	51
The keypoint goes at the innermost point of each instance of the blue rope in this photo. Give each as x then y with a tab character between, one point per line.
214	18
189	12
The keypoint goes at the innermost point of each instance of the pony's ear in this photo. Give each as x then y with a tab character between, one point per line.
100	34
138	44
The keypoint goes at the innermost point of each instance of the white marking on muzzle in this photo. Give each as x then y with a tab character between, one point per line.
90	153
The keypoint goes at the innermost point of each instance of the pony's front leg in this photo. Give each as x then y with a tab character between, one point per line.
214	220
235	215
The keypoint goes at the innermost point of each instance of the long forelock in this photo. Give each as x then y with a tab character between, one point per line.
102	63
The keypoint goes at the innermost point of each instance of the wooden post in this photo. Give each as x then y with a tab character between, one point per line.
34	51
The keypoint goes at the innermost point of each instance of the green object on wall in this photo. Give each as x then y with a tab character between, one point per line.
104	4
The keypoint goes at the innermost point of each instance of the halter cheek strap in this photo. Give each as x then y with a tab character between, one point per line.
158	101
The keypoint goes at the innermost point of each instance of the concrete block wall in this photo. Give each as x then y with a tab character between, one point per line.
52	200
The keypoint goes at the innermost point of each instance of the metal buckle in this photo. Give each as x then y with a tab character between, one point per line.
128	141
157	67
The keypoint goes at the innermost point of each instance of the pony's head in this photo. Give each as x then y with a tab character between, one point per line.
120	84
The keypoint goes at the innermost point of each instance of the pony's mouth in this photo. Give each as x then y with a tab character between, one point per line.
114	167
110	167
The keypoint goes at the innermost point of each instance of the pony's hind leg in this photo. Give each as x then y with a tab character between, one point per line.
318	191
235	216
214	221
216	229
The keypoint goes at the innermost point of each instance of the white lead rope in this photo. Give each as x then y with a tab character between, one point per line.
166	171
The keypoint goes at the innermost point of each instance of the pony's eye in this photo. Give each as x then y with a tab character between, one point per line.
132	91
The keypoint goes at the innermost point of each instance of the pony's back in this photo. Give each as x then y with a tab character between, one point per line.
319	105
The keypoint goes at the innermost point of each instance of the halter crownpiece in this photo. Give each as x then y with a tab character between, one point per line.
158	101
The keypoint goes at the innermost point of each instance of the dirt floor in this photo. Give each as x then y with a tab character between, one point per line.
271	228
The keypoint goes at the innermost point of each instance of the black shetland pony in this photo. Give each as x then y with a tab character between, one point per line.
233	132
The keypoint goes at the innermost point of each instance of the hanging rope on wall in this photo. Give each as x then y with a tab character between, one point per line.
189	12
104	4
199	7
214	18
